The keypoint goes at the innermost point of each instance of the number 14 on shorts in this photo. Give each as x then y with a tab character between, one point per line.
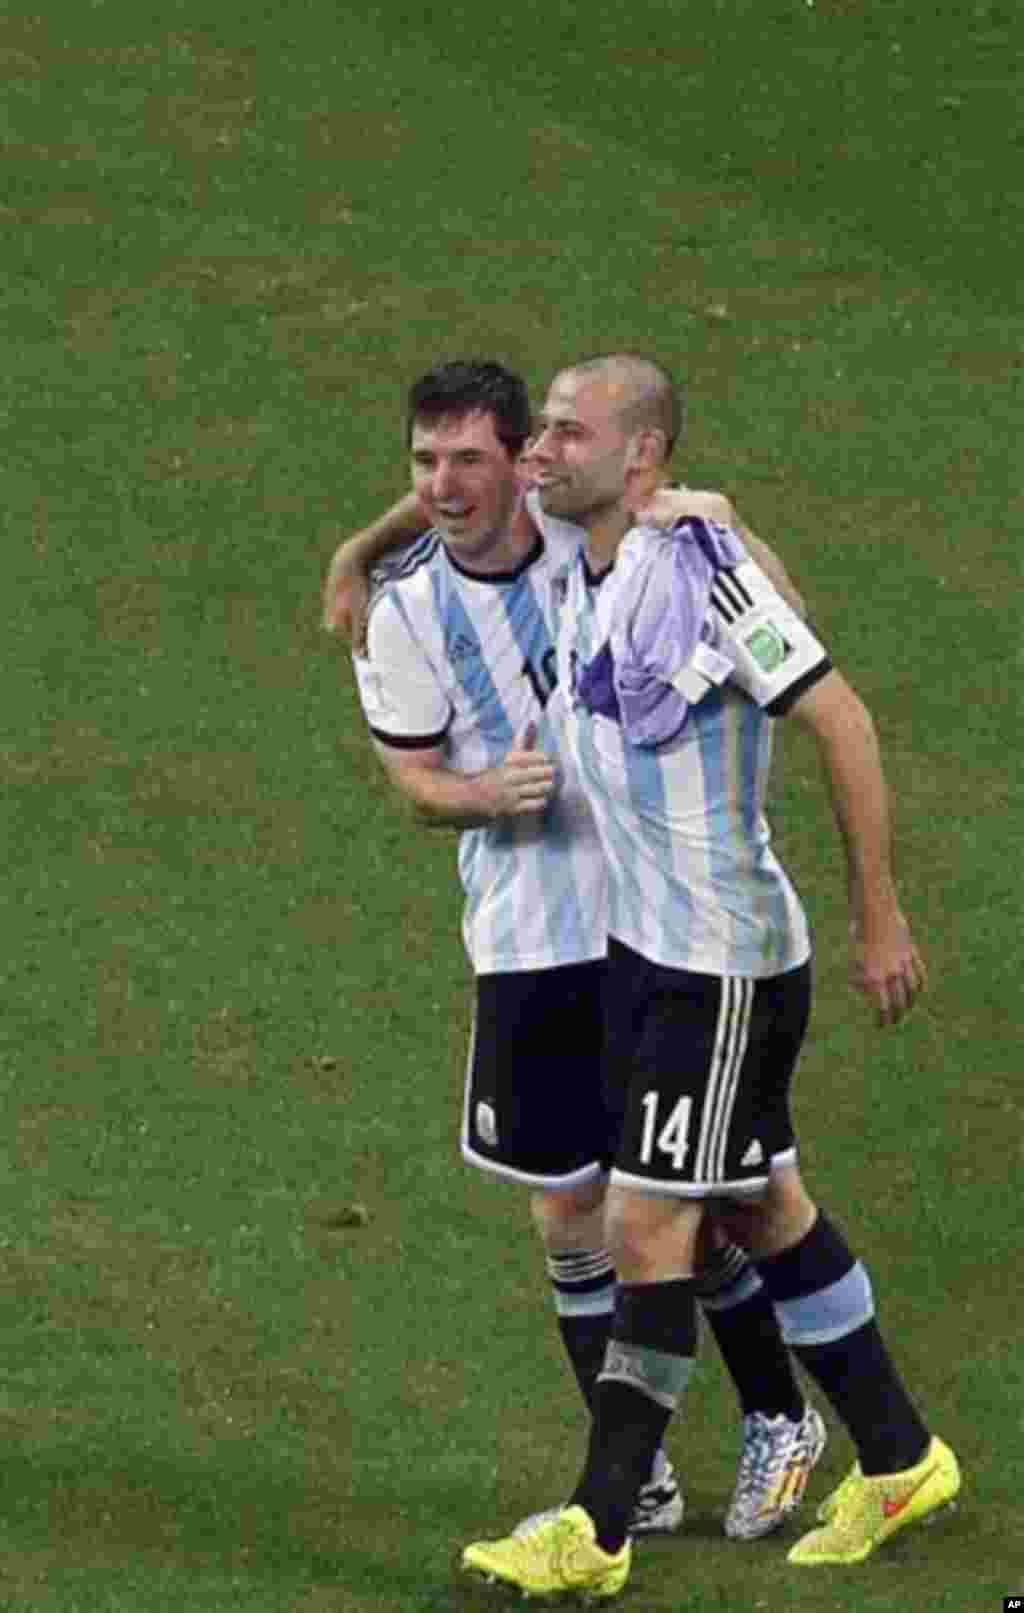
673	1138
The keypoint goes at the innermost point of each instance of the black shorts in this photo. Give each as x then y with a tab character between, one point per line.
533	1108
697	1075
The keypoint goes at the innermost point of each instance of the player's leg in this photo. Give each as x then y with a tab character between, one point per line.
783	1434
585	1547
684	1057
570	1224
571	1227
650	1353
745	1328
824	1301
533	1115
689	1132
570	1220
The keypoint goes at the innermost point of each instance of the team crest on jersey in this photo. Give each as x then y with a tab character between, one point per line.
487	1125
768	647
560	590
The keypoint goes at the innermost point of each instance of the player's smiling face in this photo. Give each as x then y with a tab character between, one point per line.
466	478
578	461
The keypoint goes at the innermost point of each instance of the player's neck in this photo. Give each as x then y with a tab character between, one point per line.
605	533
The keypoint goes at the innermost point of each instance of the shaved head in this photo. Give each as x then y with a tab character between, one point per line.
647	395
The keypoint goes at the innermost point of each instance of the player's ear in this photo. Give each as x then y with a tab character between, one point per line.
642	484
646	449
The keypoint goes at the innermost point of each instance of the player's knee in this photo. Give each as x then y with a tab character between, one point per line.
777	1220
569	1219
649	1238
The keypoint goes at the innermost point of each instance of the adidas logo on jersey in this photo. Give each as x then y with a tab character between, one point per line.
754	1154
460	648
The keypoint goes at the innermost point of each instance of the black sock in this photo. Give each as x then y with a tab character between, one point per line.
759	1364
586	1340
650	1357
583	1284
858	1376
826	1309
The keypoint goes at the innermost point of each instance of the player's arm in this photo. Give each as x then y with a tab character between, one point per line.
347	585
671	504
885	964
521	785
781	664
406	704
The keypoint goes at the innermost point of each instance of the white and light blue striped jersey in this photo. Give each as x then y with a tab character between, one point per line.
466	662
693	881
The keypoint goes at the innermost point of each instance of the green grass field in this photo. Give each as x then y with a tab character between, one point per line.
235	998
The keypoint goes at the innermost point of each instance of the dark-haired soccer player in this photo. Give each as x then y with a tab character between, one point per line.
674	653
459	670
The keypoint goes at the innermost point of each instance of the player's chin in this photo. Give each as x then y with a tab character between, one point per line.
469	547
554	497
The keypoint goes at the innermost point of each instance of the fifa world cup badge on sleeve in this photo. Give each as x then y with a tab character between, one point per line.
768	647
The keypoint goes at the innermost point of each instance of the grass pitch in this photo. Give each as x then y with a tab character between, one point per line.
235	997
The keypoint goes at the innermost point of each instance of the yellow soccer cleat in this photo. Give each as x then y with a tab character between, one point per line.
827	1511
559	1554
864	1512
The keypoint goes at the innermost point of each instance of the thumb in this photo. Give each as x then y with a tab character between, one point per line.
528	737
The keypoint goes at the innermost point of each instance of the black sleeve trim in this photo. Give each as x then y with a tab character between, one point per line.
781	704
409	741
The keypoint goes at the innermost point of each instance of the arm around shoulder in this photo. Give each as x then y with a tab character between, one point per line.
347	585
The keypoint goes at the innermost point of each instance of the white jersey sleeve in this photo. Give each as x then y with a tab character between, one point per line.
405	701
775	656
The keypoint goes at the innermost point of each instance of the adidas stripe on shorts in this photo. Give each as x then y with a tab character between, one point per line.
697	1075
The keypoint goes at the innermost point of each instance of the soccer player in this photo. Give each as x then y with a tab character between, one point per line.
674	655
456	687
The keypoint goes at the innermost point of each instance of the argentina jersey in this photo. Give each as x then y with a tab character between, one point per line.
466	663
693	881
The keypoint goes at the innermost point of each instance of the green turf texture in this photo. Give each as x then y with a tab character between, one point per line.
235	998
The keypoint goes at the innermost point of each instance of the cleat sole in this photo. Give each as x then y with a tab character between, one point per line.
945	1511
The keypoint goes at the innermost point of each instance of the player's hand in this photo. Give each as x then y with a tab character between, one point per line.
346	599
524	782
886	967
668	505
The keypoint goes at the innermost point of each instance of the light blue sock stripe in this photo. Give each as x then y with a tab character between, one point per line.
661	1377
599	1302
830	1313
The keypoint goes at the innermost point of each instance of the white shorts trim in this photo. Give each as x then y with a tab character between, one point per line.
585	1173
657	1187
750	1187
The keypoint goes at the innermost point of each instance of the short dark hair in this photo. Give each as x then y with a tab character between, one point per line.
652	396
473	386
